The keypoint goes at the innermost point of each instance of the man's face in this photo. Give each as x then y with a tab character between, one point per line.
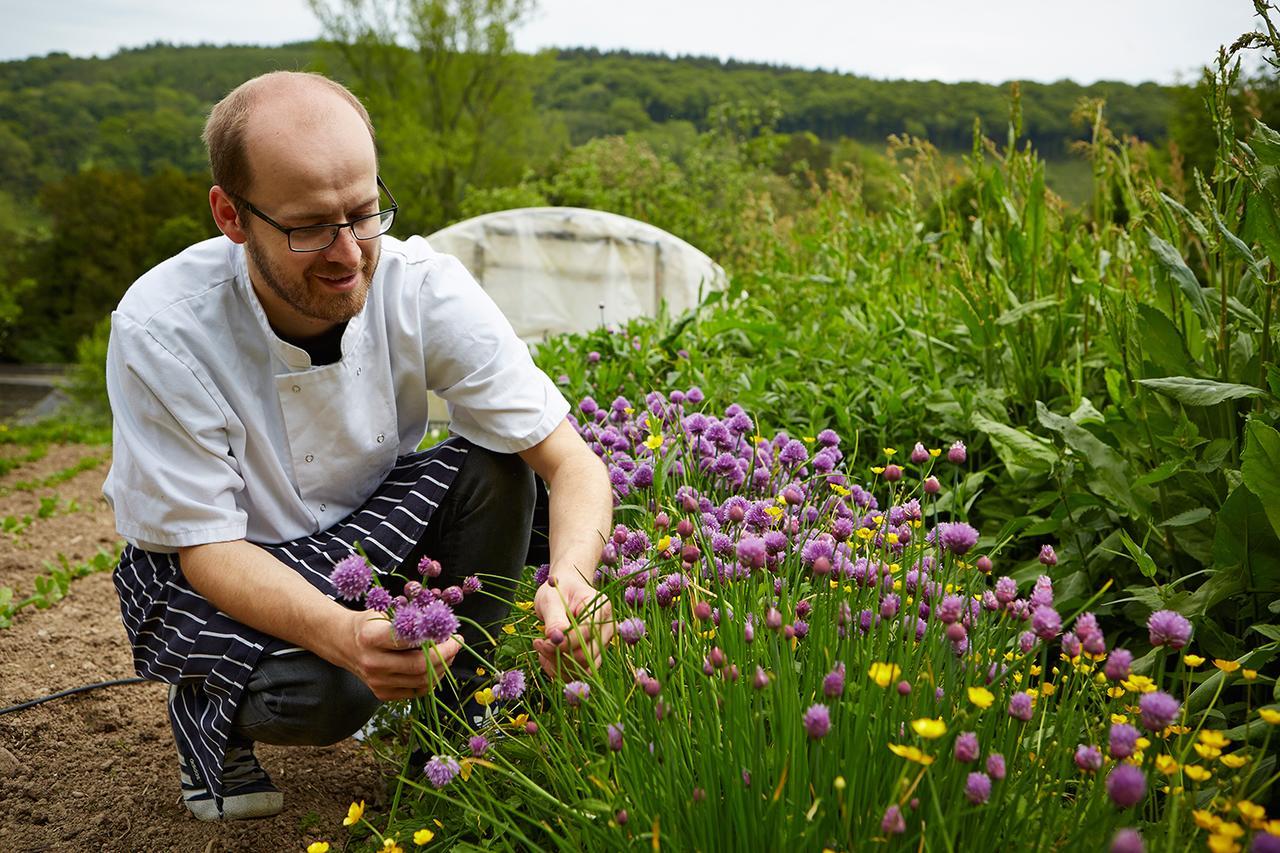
320	172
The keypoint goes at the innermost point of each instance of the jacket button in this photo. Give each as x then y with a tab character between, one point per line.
381	438
309	457
297	388
323	507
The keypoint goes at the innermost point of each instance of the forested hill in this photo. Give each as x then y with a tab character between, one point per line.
142	110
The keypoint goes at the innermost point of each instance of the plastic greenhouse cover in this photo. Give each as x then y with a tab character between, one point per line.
567	269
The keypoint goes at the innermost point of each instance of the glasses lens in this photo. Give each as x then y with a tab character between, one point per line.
312	239
374	226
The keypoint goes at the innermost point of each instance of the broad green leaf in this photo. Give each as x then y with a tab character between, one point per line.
1244	537
1015	447
1271	632
1191	391
1192	220
1171	260
1260	466
1160	473
1146	565
1026	309
1183	519
1162	342
1111	471
1265	144
1085	413
1262	222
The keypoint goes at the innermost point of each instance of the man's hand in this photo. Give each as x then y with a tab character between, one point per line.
392	670
579	624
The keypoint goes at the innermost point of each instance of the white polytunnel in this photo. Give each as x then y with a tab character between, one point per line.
568	269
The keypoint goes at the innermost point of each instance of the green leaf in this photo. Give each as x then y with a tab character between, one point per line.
1015	447
1173	264
1265	144
1162	342
1111	472
1271	632
1244	537
1026	309
1185	519
1085	413
1260	467
1191	391
1146	565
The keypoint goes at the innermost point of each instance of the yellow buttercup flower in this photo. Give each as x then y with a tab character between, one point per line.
1271	715
1251	811
423	836
1211	737
808	439
982	697
1230	829
318	847
929	727
889	451
1119	718
1249	674
1196	773
518	721
664	543
1166	765
1235	760
935	452
1206	819
884	674
389	845
1226	665
524	605
1048	688
653	442
1207	752
484	697
892	539
1192	661
1223	844
911	753
508	628
876	469
1138	684
464	769
840	490
354	813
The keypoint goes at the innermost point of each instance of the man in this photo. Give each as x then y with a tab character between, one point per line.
268	389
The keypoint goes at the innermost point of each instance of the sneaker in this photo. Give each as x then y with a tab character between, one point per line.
248	790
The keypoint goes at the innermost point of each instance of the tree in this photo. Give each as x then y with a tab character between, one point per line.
451	99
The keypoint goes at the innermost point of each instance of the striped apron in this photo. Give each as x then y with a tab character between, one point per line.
180	638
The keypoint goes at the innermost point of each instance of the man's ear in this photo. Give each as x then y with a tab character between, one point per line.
225	215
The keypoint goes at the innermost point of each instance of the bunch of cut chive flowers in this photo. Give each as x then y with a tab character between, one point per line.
420	615
815	656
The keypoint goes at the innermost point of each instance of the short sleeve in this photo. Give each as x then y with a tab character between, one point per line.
498	398
173	481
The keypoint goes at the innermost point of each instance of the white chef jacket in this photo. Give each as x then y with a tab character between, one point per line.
223	431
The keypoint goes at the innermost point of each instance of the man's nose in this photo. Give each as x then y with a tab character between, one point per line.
345	249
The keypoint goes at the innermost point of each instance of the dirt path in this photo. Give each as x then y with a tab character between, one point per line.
97	771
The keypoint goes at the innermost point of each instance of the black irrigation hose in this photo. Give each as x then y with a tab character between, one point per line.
70	692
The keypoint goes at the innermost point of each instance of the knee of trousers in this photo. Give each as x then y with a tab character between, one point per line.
317	705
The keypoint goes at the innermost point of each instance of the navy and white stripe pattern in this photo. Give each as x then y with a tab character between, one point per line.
180	638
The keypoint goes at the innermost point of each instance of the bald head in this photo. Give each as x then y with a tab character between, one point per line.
277	117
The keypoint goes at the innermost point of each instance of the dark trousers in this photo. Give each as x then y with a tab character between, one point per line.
482	527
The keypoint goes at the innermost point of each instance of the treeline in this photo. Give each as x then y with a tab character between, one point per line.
102	172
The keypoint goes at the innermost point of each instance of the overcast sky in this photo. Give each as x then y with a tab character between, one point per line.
987	40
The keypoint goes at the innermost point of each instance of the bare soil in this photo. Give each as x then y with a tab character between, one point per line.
98	771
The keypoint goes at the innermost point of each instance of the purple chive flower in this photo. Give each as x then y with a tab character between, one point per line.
1006	589
977	788
1126	785
817	721
1088	758
1045	622
1265	842
615	736
510	685
592	358
441	769
1071	644
957	537
1118	663
1159	709
957	454
1130	841
1048	556
471	585
793	454
1168	628
1122	740
351	577
479	745
893	823
377	599
429	568
995	766
631	630
833	684
919	454
1020	707
966	747
752	552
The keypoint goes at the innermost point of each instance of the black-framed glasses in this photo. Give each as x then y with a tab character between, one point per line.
317	238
